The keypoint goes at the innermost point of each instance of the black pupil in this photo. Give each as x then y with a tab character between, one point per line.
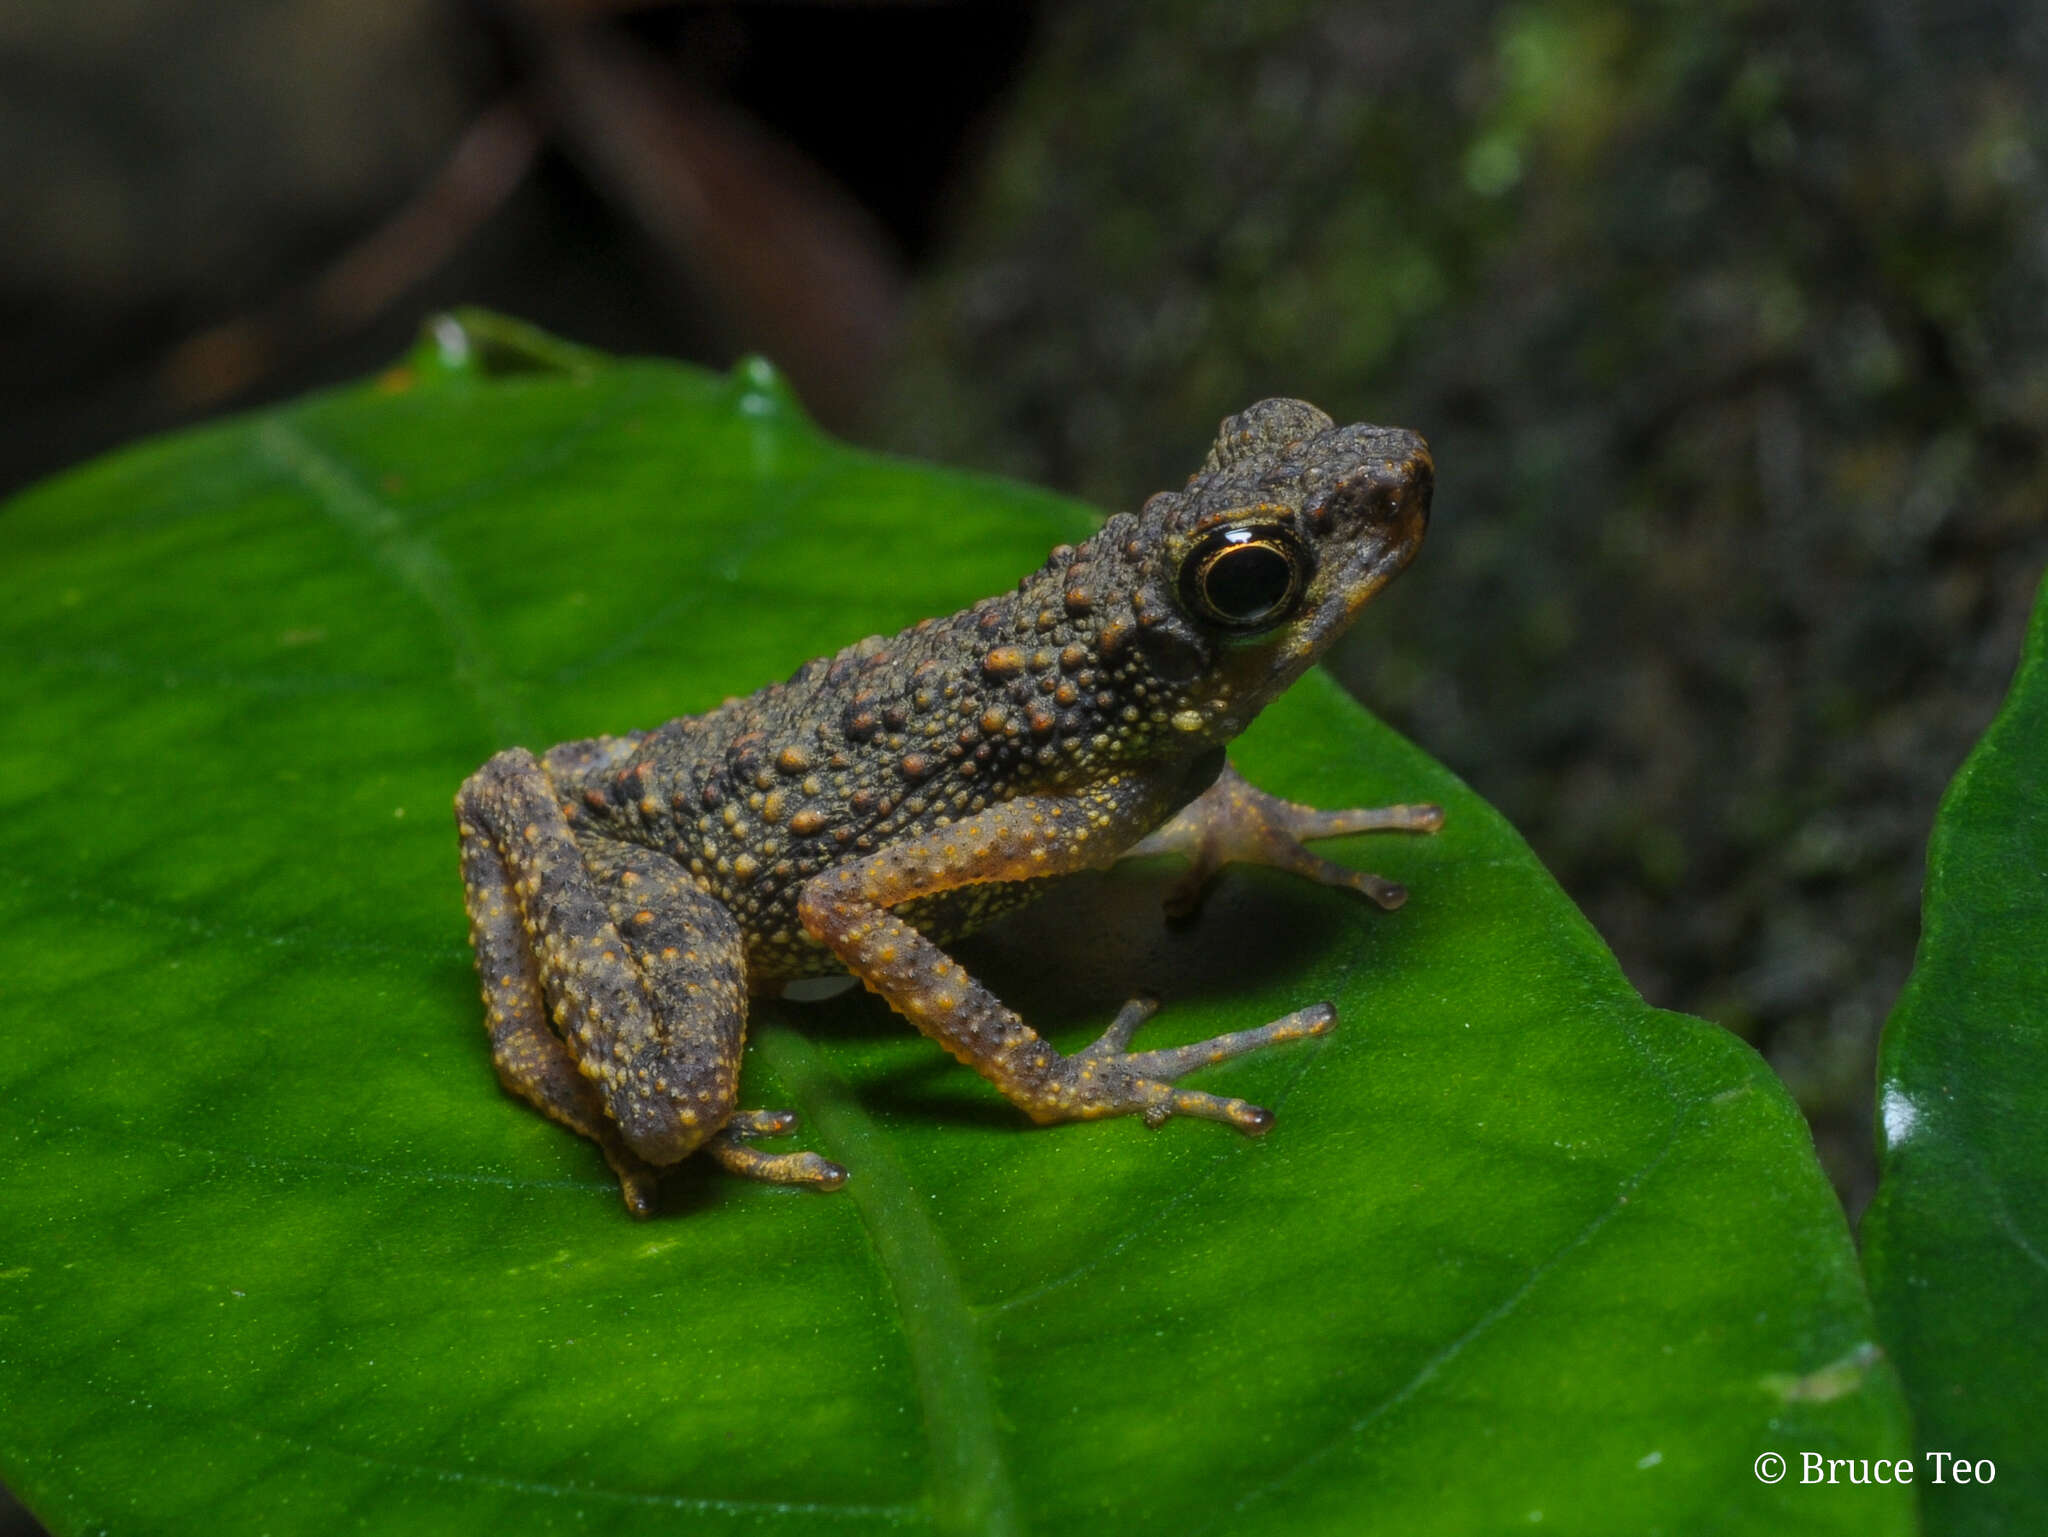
1247	581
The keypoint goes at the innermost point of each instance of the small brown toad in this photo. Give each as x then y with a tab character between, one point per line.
627	893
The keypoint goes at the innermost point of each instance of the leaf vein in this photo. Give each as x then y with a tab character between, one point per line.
707	1504
1484	1324
968	1483
408	558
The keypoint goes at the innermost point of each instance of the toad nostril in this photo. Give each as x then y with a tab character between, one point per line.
1421	477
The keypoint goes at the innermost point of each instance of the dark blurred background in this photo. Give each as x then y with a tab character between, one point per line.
1726	320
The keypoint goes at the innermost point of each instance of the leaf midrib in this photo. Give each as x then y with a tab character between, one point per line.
968	1486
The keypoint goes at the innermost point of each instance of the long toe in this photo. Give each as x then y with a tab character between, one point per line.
1172	1061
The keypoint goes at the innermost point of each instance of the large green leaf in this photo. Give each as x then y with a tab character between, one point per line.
280	1256
1957	1239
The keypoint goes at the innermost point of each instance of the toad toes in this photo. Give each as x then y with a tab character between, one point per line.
627	893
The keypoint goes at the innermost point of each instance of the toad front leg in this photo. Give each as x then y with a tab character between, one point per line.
1235	822
849	910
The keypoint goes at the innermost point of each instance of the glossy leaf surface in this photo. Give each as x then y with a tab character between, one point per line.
278	1254
1957	1239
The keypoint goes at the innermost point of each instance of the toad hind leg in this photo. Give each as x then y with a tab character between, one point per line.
532	1061
692	958
848	910
641	974
1234	821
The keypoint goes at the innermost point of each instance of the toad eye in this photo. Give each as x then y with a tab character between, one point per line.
1245	578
